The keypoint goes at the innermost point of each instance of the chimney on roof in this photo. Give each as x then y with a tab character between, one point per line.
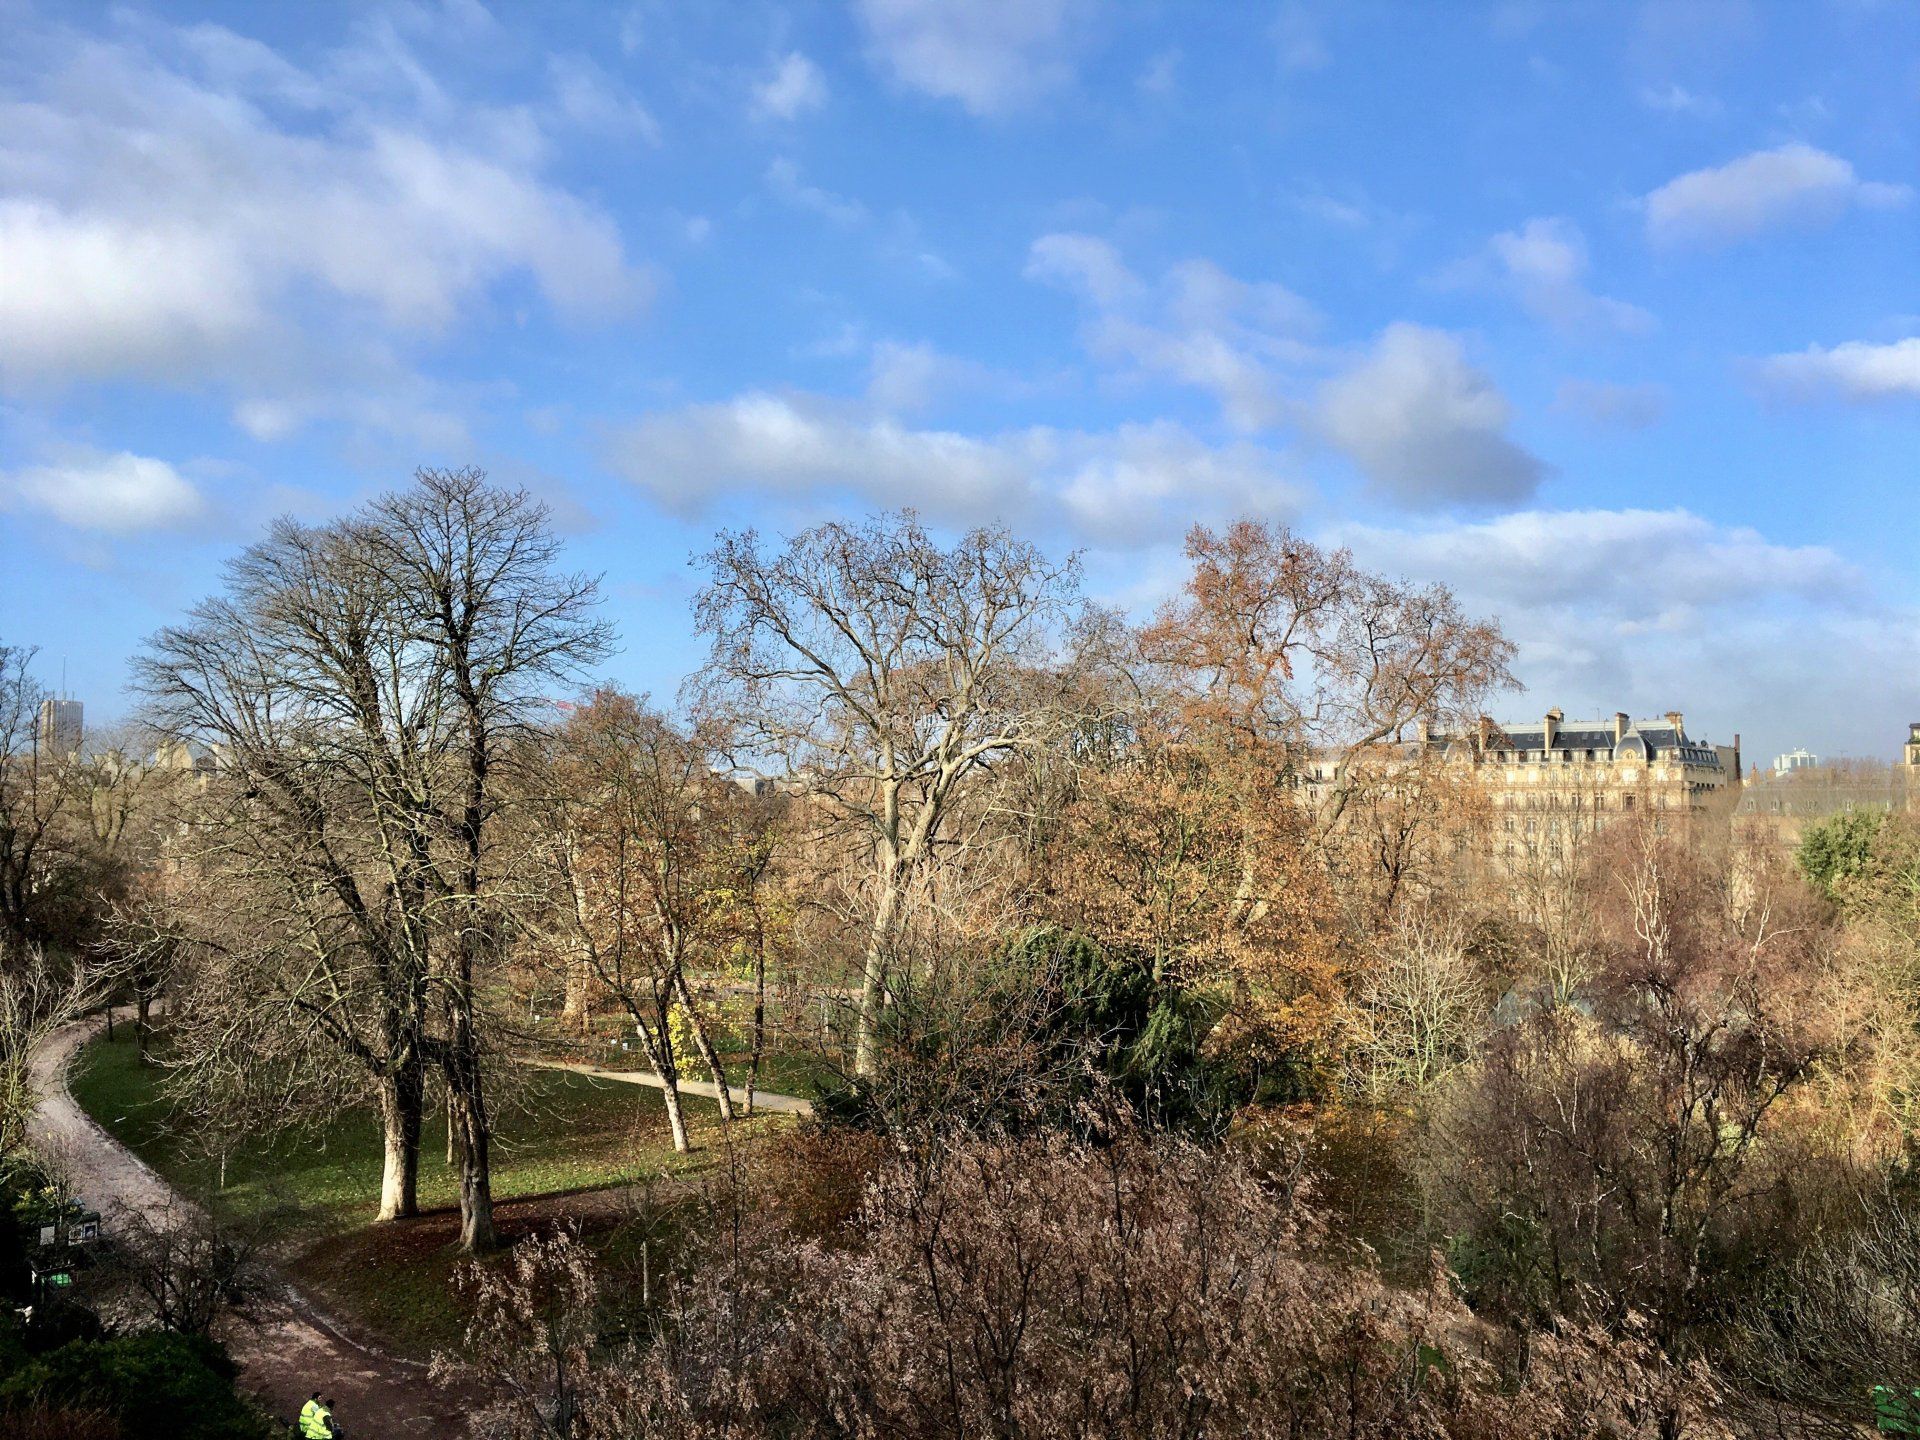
1736	756
1620	723
1678	722
1422	731
1486	732
1550	728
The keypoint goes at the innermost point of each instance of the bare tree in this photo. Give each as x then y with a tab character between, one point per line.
34	796
633	839
532	1335
192	1266
364	684
882	671
1293	650
1632	1151
37	998
475	571
1422	1008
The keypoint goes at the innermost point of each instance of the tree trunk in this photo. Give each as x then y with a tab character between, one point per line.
704	1044
575	1012
676	1117
759	1040
873	976
402	1102
657	1046
143	1026
472	1134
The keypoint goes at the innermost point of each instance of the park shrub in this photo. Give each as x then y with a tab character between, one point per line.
1050	1029
154	1383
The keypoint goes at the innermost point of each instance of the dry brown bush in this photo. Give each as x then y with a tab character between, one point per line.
1148	1287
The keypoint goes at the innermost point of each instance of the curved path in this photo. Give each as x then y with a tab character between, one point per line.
763	1100
288	1347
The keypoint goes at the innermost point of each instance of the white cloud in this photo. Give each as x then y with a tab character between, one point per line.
1425	426
1636	564
992	56
795	87
786	182
1653	610
96	296
903	378
1086	264
1793	184
120	493
184	205
1600	402
1197	325
1856	370
1543	266
1678	100
1131	486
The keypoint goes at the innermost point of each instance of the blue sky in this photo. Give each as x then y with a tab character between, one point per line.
1606	314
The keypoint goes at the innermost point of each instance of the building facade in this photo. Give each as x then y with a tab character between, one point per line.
60	729
1551	783
1543	786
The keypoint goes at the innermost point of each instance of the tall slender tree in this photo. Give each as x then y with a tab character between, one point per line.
364	683
884	670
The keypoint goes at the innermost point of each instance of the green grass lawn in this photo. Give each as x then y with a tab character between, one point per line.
562	1132
574	1140
797	1062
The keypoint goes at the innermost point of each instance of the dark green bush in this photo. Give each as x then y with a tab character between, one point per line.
155	1383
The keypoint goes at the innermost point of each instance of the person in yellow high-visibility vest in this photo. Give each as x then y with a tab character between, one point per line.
316	1419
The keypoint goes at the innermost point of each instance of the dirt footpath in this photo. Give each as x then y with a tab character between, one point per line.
291	1348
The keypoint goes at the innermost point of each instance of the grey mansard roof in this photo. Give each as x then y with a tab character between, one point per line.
1657	739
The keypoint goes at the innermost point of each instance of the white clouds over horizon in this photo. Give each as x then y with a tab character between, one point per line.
1196	325
1650	610
1793	184
1123	488
1426	426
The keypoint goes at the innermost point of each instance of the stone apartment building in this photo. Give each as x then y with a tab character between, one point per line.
1544	785
1550	783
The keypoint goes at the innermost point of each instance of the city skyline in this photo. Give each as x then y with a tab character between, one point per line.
1468	288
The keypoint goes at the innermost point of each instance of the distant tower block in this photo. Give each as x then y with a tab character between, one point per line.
58	735
1911	769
